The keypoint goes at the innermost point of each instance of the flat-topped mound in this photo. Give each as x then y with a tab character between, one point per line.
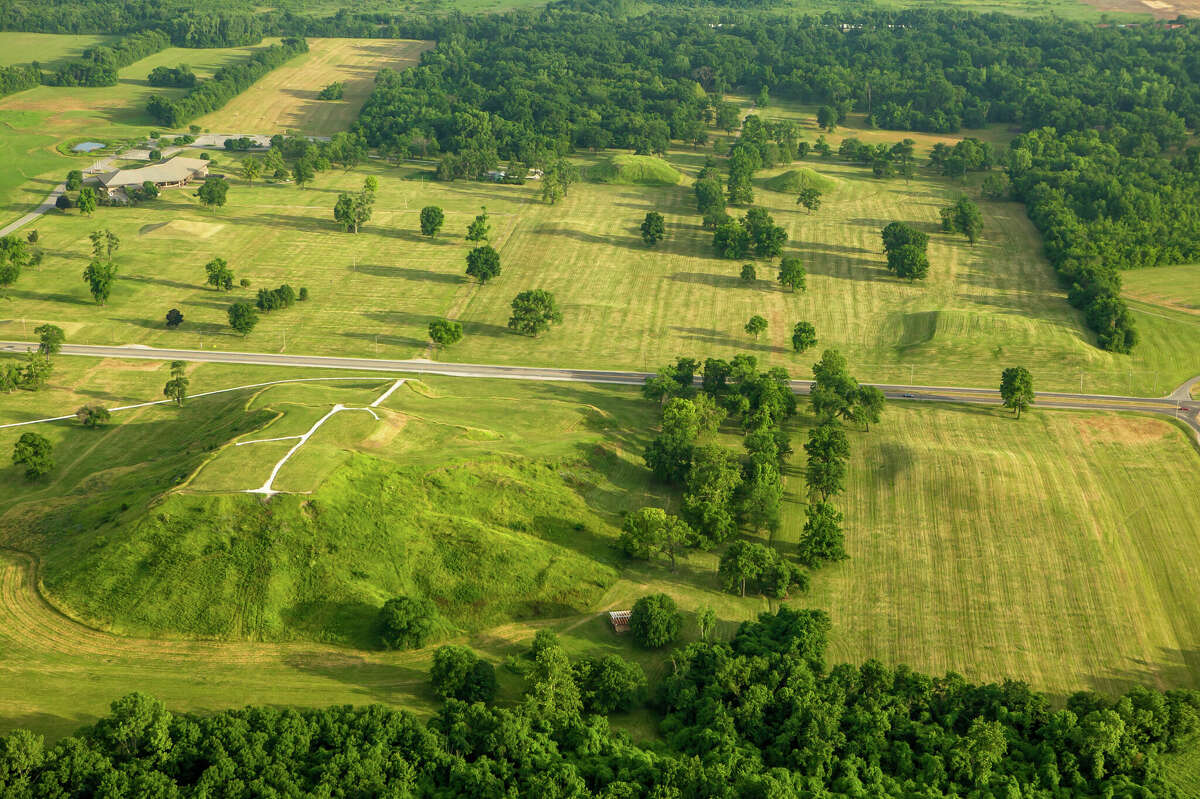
179	229
635	170
794	180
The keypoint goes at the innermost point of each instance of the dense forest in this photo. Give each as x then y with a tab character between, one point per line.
758	716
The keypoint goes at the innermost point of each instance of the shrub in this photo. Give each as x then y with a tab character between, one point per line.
92	415
542	640
451	667
655	621
405	622
609	684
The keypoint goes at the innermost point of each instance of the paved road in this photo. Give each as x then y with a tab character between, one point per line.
48	204
1175	405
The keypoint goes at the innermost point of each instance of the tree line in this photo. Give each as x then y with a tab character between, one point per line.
758	715
225	84
99	64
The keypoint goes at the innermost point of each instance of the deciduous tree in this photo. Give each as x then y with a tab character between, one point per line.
445	332
87	201
219	275
177	386
810	198
792	274
432	218
483	263
242	317
822	538
50	338
533	311
479	229
804	336
35	453
654	228
405	622
1016	389
655	621
213	192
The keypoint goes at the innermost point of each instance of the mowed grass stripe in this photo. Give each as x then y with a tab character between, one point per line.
285	99
625	305
1046	549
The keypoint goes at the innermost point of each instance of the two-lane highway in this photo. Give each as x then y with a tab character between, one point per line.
1176	405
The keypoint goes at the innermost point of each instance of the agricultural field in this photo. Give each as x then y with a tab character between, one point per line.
625	305
1047	548
286	98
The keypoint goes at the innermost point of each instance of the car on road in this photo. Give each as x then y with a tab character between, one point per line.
909	396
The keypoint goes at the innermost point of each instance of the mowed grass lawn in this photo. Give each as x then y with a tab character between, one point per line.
625	305
285	100
51	50
1053	549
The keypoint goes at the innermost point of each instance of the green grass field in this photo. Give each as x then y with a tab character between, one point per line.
34	122
51	50
1052	549
625	305
1175	287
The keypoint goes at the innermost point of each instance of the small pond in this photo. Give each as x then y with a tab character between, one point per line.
88	146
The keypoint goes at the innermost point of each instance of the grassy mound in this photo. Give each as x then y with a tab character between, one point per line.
180	229
489	542
794	180
420	502
635	170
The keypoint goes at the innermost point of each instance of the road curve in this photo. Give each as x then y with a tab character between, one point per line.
1176	406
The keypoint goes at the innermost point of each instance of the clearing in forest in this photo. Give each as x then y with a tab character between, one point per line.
286	98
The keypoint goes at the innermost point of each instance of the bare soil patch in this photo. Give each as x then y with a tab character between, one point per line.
1127	430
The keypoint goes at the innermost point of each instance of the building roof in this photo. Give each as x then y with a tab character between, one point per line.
619	619
175	170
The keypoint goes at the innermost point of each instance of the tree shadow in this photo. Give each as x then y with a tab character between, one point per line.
207	328
385	339
25	294
409	273
159	281
51	725
708	279
708	335
382	682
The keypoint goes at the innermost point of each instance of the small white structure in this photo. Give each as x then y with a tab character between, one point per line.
619	619
166	175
